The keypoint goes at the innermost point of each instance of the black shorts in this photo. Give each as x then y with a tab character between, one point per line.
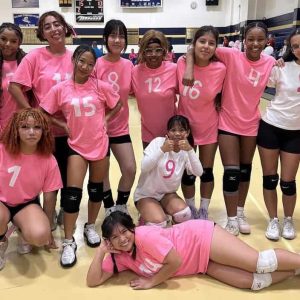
220	131
272	137
61	155
13	210
122	139
73	152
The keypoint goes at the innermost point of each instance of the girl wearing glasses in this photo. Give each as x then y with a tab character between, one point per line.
198	104
116	71
154	84
279	137
83	100
43	68
26	144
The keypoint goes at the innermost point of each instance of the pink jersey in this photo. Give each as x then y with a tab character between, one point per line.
7	104
197	103
118	74
40	70
24	177
244	85
83	106
155	91
190	239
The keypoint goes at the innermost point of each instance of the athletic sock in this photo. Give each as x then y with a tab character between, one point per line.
108	199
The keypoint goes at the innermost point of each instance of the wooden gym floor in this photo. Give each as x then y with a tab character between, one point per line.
39	274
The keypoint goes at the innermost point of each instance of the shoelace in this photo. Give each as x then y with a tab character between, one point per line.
91	233
288	224
274	224
68	250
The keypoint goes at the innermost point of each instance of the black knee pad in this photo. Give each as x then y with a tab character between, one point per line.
95	191
188	179
288	188
270	182
71	199
231	180
208	175
245	170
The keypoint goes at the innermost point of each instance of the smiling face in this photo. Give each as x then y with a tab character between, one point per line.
30	133
9	44
53	31
295	46
205	47
83	66
255	43
116	42
177	133
122	239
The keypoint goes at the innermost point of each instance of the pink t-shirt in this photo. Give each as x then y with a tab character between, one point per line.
40	70
24	177
155	91
244	85
83	106
191	240
118	74
7	104
197	103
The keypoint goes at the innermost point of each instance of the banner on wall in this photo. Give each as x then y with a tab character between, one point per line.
26	20
141	4
24	3
89	11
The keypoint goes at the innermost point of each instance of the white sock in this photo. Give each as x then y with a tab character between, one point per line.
240	210
232	218
190	201
204	203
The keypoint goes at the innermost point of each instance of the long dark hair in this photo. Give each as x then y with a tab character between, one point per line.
77	54
184	122
39	31
204	30
289	55
19	54
108	226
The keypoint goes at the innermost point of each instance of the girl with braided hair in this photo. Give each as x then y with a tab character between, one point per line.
11	55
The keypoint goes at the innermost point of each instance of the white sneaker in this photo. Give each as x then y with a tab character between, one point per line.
122	208
109	210
232	226
68	255
288	229
92	237
203	214
3	248
273	230
244	226
194	212
23	247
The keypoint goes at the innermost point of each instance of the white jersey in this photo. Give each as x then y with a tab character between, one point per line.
284	110
161	172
